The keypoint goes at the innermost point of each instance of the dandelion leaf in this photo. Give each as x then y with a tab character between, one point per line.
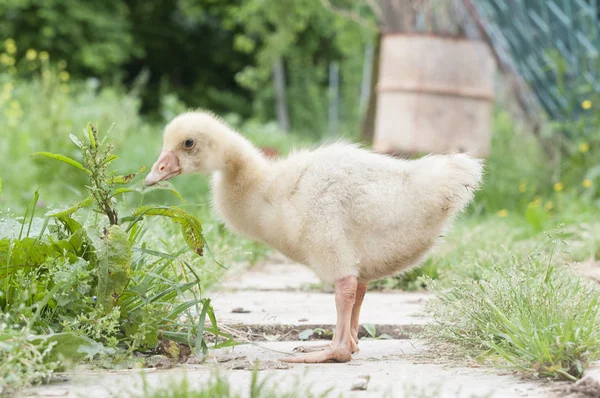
113	253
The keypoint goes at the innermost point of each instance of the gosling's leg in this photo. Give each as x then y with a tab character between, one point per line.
342	345
361	289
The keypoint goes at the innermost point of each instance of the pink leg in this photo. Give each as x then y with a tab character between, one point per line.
361	289
342	346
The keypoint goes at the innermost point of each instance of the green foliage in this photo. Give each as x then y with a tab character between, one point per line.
216	55
22	362
94	286
307	37
27	358
499	314
91	37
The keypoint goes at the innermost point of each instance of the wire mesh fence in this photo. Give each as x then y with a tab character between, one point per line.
553	44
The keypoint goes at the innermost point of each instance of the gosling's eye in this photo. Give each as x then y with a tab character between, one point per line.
189	143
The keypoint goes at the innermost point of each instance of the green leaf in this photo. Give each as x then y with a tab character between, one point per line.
68	346
166	186
64	159
90	133
125	179
200	342
70	224
191	228
113	253
67	212
120	191
149	317
370	328
76	141
110	158
305	334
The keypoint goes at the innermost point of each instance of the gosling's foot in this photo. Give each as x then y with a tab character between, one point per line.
329	354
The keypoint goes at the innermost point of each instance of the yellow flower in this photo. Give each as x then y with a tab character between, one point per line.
10	45
587	104
44	55
523	187
536	202
64	76
549	206
31	54
7	59
503	213
584	147
62	64
558	186
587	183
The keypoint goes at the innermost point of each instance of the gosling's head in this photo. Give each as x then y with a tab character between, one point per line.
193	142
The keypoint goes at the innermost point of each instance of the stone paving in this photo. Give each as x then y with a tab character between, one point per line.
271	300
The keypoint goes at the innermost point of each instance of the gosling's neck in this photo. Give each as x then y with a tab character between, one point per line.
243	163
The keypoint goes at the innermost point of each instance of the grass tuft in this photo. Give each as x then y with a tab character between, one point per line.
525	310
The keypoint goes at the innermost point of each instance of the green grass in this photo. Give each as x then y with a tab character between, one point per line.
508	295
219	386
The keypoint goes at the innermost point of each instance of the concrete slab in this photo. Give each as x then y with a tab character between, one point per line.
298	308
281	276
391	365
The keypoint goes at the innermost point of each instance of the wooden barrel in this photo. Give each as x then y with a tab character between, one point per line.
435	95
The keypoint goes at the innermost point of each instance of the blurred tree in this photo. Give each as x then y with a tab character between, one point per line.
214	54
307	35
188	48
94	37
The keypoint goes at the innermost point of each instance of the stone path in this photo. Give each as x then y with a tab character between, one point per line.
270	303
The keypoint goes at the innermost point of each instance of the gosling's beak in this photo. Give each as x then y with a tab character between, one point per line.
167	166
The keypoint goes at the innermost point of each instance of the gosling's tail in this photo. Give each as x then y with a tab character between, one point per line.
454	180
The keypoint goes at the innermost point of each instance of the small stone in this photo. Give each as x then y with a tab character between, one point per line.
194	360
239	310
361	383
229	358
169	348
241	364
159	362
